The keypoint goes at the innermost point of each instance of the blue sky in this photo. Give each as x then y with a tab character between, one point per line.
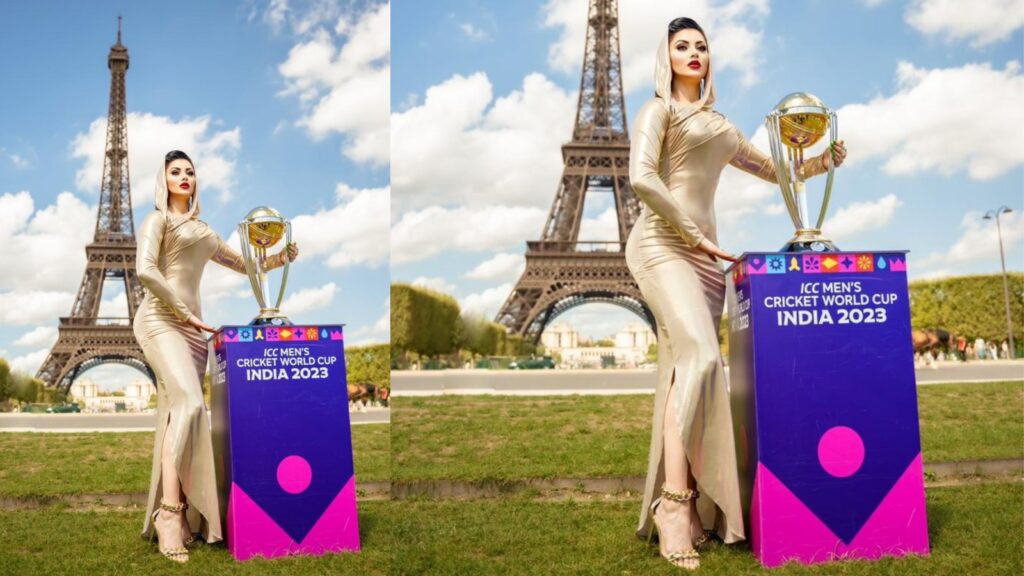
279	103
929	100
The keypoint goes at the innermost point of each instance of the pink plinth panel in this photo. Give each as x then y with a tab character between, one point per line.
783	528
252	532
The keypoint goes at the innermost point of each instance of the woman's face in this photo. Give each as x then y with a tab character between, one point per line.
181	178
688	51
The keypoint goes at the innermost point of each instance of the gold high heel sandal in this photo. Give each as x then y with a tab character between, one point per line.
679	555
179	555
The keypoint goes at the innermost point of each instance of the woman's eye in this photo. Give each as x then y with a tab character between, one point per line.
702	48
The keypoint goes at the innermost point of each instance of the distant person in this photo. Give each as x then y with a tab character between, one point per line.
1006	351
961	347
979	348
993	352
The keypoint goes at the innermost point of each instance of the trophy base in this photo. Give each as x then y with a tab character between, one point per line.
809	240
270	320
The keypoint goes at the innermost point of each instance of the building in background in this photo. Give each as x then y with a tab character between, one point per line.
134	398
629	349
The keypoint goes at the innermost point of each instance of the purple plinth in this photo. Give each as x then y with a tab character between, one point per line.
824	403
282	441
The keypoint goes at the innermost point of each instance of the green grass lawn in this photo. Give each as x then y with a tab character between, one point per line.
56	541
487	438
45	464
975	530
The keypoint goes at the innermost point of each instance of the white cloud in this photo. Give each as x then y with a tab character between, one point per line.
434	283
276	14
115	306
942	120
150	137
309	299
734	30
501	267
342	78
603	228
858	217
487	302
38	336
979	241
472	32
460	147
424	233
34	306
221	283
982	21
374	333
354	232
43	249
740	195
29	363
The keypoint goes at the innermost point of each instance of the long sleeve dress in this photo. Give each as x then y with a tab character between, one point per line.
172	252
677	155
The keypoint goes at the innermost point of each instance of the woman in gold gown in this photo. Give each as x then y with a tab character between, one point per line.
173	248
679	148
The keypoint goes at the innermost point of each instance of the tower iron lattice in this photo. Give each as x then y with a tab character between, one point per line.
85	339
562	271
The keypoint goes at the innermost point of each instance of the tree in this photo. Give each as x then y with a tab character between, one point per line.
369	365
5	380
25	389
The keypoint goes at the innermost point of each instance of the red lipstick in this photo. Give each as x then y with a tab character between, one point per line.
184	186
694	65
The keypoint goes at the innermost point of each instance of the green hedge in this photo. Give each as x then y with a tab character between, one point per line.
423	321
972	306
427	323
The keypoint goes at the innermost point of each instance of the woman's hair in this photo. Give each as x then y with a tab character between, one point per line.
684	23
177	155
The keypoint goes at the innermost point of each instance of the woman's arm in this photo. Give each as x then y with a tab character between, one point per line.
751	160
644	162
147	262
229	258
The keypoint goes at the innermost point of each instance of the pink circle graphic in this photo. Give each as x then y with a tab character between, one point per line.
294	474
841	451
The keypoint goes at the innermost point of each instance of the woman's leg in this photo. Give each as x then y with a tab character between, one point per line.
168	473
676	519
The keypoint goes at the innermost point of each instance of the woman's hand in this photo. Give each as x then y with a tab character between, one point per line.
836	153
199	325
714	252
290	253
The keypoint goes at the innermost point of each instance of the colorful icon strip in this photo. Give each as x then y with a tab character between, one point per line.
819	263
278	334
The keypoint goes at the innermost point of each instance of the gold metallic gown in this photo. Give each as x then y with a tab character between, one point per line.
677	155
172	252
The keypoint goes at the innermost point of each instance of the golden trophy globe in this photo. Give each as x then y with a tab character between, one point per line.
798	122
263	228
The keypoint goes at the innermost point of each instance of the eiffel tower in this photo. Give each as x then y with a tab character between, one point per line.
563	272
85	340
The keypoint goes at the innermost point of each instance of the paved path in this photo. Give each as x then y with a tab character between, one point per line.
607	382
128	422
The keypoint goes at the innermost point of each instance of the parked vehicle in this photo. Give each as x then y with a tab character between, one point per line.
545	362
64	409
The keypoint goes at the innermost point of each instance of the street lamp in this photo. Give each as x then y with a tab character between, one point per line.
994	215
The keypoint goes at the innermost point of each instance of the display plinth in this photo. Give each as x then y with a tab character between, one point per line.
824	403
283	441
